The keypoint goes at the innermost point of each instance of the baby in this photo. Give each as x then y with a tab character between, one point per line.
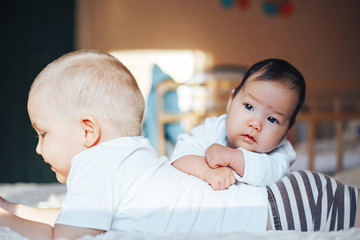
251	138
87	109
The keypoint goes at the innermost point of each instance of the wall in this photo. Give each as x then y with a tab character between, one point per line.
321	38
34	33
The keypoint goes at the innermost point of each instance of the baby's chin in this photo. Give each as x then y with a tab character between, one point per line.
253	147
61	178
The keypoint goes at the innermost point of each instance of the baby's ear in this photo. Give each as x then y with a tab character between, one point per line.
91	130
231	97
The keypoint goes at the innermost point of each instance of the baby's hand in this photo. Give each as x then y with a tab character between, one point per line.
4	205
3	202
218	155
220	178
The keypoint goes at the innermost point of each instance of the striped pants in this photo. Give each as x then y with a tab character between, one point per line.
311	201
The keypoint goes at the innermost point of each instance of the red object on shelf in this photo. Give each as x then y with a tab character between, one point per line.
243	3
286	8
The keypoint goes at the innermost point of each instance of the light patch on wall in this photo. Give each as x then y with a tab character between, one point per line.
179	64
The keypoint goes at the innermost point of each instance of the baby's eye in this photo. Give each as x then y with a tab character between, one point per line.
272	120
248	107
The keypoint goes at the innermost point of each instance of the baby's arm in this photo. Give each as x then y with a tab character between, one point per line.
189	154
264	169
219	178
192	165
43	215
38	230
259	169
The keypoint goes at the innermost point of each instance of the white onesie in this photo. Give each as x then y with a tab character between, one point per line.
122	185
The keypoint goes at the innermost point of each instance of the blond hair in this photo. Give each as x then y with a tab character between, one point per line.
95	83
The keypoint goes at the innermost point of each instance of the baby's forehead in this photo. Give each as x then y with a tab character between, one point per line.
42	97
41	90
278	82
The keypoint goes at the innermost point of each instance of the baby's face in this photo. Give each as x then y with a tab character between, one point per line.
59	140
259	115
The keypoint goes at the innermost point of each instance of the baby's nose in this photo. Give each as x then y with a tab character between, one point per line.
38	148
255	124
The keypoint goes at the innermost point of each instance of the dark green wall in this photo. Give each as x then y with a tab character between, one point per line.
33	33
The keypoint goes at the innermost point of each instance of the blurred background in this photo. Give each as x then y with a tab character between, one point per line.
183	38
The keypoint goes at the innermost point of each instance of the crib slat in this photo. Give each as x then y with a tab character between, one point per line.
338	133
339	147
311	143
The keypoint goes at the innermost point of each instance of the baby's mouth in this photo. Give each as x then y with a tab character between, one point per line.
51	167
248	138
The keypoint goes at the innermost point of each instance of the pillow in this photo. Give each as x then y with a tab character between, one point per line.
150	128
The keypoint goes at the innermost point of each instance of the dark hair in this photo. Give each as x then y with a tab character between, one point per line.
281	71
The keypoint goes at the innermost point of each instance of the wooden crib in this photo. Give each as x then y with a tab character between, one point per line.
337	102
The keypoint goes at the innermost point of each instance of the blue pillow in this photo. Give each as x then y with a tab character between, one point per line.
150	128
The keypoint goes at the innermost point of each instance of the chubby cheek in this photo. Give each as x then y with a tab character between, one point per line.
271	140
265	148
231	139
233	126
59	163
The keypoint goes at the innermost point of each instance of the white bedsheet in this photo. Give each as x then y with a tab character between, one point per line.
352	234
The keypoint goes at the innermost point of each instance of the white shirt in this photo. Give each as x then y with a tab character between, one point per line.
261	169
122	185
